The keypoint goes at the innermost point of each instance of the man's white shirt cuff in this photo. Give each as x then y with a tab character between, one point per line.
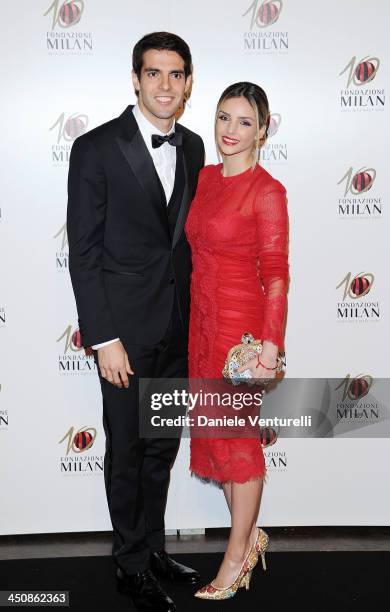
98	346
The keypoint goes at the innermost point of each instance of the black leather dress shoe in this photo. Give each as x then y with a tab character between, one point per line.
145	591
165	567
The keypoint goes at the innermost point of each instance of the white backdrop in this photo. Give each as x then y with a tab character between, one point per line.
325	68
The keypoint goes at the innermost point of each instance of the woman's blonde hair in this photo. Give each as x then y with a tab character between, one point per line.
258	100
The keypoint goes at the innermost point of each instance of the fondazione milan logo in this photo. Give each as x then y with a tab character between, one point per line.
351	408
355	202
73	359
64	37
264	14
77	460
358	93
353	307
66	130
260	37
67	14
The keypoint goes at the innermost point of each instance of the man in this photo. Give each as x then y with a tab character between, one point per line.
130	185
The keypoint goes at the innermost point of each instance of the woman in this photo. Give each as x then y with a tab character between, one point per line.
238	231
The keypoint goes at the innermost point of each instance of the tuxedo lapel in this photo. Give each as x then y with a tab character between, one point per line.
134	149
189	182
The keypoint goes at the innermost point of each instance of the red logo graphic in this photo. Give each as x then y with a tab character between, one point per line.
357	387
72	340
70	13
274	123
66	15
71	128
268	436
363	71
74	127
359	286
83	440
265	13
80	441
76	339
360	182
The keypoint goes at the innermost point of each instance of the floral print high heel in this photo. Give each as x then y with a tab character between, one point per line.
210	591
261	545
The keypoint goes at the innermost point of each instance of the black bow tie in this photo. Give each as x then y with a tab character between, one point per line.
174	139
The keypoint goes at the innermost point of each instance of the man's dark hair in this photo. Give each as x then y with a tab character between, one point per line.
161	41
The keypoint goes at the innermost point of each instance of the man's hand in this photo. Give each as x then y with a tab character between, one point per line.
114	364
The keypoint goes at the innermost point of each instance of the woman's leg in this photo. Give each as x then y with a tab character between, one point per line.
227	489
244	502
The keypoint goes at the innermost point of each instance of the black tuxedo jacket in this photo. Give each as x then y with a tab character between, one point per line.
125	260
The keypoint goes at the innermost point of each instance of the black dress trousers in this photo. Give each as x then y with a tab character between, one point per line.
137	471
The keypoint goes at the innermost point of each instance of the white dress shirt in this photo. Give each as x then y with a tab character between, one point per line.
164	159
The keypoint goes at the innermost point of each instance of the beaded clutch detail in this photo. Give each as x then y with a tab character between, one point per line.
240	354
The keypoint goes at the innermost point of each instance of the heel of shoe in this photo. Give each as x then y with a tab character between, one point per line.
263	561
247	579
262	544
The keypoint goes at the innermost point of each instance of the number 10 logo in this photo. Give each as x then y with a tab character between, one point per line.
66	15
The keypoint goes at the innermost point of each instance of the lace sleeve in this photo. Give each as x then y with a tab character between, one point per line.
272	229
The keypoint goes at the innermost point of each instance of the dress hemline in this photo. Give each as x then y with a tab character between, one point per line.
218	483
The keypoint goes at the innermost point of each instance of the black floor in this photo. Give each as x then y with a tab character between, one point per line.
316	581
282	539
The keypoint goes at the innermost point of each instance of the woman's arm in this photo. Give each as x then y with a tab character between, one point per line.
271	218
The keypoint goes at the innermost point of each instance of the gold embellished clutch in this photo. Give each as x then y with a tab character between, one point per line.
240	354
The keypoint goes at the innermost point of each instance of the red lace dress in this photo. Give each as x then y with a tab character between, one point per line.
238	231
